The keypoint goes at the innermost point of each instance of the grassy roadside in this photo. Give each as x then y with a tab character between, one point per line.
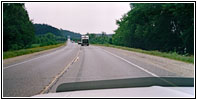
10	54
175	56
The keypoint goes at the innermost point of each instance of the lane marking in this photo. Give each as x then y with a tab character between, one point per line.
141	68
76	59
132	64
34	58
46	88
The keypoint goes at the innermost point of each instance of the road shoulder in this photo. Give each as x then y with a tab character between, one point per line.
180	68
13	60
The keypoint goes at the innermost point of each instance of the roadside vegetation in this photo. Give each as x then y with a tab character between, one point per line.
14	53
171	55
165	30
102	38
21	36
166	27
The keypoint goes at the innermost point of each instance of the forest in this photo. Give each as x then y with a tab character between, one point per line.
18	30
49	35
20	33
165	27
102	38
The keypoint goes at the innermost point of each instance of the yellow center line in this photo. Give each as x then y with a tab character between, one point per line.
46	88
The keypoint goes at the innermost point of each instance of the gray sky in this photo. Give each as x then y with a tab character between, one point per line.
78	17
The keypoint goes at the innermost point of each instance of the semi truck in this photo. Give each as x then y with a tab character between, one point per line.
84	40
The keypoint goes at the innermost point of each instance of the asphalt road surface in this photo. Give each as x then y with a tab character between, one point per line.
72	63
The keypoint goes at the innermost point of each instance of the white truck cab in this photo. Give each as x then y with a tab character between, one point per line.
84	40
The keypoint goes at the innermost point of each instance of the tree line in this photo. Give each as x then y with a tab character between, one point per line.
47	35
19	32
165	27
102	38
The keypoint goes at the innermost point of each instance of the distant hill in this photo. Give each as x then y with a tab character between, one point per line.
71	34
41	29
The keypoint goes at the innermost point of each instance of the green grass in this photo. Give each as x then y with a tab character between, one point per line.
171	55
35	45
10	54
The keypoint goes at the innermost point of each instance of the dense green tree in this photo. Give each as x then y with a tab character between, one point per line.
102	38
49	39
164	27
18	30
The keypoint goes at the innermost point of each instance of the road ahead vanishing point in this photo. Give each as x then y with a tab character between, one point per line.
74	63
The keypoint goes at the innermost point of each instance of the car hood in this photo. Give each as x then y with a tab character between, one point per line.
130	87
153	91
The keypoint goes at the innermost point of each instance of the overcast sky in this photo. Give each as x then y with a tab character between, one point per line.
78	17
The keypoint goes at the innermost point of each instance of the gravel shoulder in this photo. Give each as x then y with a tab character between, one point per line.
180	68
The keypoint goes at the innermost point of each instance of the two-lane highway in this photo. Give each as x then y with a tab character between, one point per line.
95	63
89	63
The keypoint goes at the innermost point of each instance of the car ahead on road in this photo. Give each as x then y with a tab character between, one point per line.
159	87
79	42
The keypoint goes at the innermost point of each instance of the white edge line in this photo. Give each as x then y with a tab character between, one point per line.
31	59
132	64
